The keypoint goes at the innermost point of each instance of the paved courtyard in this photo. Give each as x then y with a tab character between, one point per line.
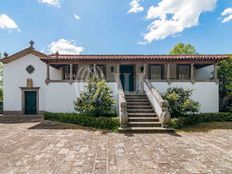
35	147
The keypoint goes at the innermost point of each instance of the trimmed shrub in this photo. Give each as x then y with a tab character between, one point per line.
96	100
109	123
180	102
192	119
1	107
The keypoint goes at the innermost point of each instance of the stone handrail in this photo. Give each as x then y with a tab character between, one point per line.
159	104
123	117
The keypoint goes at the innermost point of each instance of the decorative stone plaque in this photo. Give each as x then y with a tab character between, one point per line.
29	83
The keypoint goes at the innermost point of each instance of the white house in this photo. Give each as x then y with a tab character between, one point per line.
35	82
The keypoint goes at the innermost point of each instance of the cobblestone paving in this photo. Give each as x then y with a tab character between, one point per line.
32	148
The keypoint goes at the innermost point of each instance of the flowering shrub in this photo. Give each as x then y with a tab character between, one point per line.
180	102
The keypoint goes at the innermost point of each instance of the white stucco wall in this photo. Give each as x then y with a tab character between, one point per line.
55	74
15	76
54	97
60	97
206	93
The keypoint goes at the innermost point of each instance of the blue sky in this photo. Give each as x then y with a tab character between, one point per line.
116	26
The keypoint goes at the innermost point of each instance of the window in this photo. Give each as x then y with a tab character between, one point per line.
66	72
183	71
156	72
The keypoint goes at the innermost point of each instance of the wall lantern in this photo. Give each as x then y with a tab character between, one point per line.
112	69
142	69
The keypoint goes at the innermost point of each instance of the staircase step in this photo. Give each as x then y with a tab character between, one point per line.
145	130
136	97
137	100
143	119
141	110
142	114
139	106
144	124
138	103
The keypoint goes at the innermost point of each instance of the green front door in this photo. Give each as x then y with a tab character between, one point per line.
30	102
127	77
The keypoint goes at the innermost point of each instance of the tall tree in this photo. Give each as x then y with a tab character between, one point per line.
225	77
181	48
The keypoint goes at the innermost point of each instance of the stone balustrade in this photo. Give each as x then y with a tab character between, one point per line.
122	105
158	103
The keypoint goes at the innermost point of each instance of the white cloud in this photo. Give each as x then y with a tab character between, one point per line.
227	14
64	47
135	7
171	17
55	3
7	23
77	17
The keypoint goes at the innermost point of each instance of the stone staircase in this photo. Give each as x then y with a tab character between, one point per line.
141	116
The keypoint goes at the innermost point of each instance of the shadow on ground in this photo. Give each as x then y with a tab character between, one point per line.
20	119
206	127
168	133
46	124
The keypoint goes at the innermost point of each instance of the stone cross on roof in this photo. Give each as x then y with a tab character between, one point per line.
5	54
32	44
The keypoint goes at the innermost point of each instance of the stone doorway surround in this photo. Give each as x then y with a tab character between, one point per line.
23	90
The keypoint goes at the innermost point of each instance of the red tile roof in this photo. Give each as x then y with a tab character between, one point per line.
62	58
116	58
22	53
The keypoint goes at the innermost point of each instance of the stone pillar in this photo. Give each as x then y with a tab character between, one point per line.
215	71
141	79
48	74
145	71
117	68
71	72
117	73
192	73
168	72
94	68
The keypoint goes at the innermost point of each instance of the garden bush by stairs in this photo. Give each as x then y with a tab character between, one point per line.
141	116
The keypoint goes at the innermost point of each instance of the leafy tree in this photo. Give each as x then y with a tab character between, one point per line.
181	48
96	100
180	102
225	77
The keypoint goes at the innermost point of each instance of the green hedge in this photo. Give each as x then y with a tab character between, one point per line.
1	107
188	120
109	123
